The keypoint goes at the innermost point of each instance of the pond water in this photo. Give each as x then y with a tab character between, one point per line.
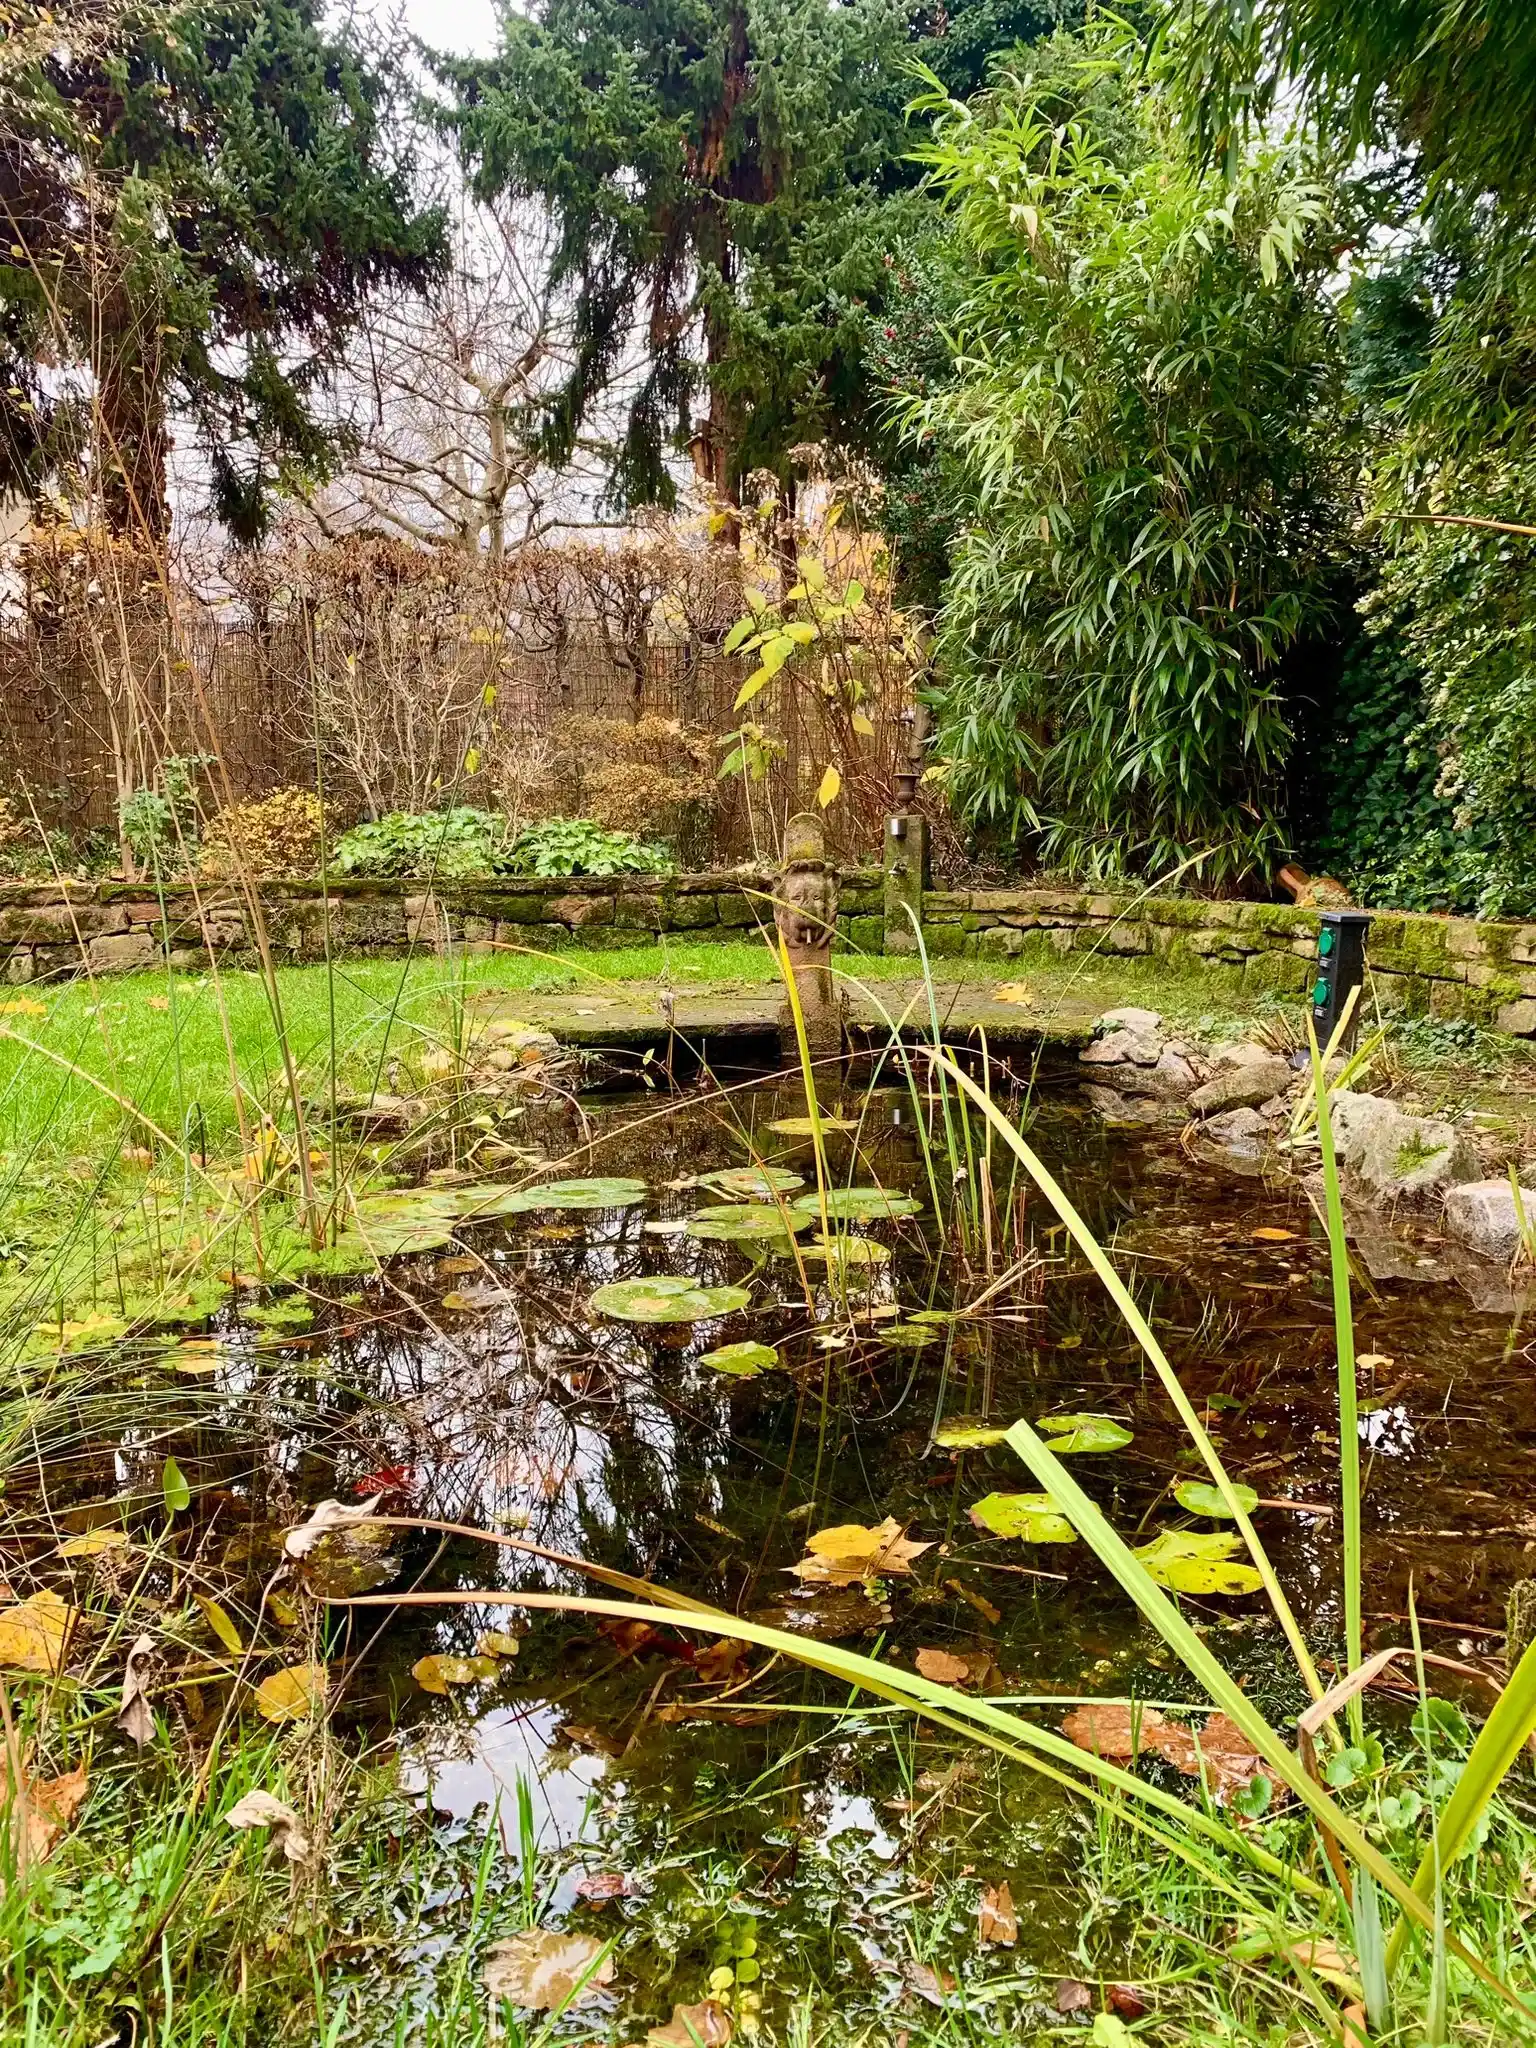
755	1816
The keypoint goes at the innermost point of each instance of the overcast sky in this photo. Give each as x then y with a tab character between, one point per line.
466	27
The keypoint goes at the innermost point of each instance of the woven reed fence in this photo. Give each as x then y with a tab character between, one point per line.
82	720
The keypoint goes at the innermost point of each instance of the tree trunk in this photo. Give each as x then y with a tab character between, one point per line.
131	430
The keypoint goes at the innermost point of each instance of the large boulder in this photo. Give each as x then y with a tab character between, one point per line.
1483	1215
1392	1157
1171	1080
1242	1086
1131	1019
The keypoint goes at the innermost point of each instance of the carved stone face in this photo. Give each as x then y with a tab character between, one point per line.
806	908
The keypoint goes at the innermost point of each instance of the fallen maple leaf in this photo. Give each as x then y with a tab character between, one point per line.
999	1923
264	1810
545	1971
706	2025
716	1664
1014	992
850	1552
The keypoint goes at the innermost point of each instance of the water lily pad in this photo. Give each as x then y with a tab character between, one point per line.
857	1205
908	1336
388	1237
744	1360
752	1183
802	1127
1195	1561
1201	1498
409	1205
601	1192
1032	1517
665	1298
1071	1434
969	1433
849	1253
745	1223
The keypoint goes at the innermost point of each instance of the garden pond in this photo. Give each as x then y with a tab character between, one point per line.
764	1835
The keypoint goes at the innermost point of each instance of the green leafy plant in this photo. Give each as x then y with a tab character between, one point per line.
575	846
1145	413
452	845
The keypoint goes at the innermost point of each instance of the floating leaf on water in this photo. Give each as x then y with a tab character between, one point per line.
969	1433
850	1552
496	1642
908	1336
1031	1517
752	1183
293	1693
1270	1234
93	1543
665	1298
802	1127
1196	1561
198	1355
409	1205
706	2025
1120	1729
744	1360
436	1674
848	1252
87	1333
544	1971
998	1923
35	1633
346	1562
1201	1498
388	1237
927	1982
936	1316
327	1515
745	1223
857	1205
1073	1434
826	1613
943	1667
591	1192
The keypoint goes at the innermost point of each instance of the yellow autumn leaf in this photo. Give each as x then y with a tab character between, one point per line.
831	784
221	1625
23	1006
1013	992
436	1674
93	1543
293	1693
863	725
839	1556
33	1634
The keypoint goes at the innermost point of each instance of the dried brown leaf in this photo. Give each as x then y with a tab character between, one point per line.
1072	1995
544	1971
706	2025
843	1555
934	1985
135	1716
999	1923
52	1804
943	1667
264	1810
1117	1730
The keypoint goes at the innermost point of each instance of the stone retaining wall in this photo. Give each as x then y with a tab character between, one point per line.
1449	967
52	931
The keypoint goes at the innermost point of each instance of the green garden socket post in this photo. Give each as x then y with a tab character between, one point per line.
906	877
1340	968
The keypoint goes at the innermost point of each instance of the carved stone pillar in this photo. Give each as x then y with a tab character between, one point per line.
805	911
